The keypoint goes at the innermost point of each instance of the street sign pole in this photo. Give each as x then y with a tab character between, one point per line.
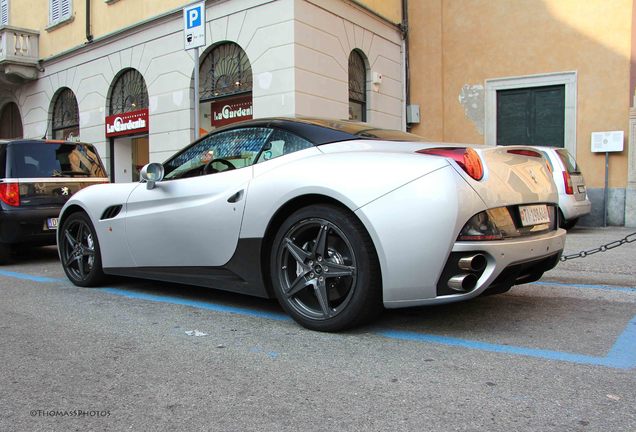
606	190
606	142
196	93
194	37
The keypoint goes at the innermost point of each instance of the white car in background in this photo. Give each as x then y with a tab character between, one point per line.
335	219
573	199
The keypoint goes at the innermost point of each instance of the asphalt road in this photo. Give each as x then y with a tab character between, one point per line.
558	355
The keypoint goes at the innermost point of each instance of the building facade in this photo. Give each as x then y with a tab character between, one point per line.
115	73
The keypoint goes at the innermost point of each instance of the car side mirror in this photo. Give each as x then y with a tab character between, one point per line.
151	174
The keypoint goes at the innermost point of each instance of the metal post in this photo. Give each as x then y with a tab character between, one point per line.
606	191
196	93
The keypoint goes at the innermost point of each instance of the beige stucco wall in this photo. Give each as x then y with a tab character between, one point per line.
389	9
459	42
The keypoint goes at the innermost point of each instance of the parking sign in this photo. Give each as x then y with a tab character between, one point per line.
194	25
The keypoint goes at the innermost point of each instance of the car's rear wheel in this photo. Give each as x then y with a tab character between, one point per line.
325	271
79	250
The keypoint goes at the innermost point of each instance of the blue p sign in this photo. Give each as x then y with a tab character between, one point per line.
193	18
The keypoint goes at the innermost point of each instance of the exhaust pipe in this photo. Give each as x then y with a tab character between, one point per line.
462	282
474	263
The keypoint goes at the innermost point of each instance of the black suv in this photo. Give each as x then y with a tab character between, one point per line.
36	178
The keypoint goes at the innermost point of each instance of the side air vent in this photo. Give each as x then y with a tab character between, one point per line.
111	212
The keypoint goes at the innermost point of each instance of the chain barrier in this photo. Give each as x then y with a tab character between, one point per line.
631	238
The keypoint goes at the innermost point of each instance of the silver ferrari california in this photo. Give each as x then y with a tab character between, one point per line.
335	219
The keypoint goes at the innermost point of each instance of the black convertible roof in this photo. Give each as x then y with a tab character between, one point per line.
324	131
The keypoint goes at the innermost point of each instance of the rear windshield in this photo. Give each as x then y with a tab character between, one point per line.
46	159
568	161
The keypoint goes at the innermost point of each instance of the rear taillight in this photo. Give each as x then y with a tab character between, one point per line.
525	153
567	181
10	193
466	158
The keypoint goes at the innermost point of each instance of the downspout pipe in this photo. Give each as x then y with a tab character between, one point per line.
404	27
89	36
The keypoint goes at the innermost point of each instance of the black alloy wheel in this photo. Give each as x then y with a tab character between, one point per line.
79	250
325	271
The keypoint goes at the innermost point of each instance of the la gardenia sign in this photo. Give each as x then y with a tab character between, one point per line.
129	123
231	110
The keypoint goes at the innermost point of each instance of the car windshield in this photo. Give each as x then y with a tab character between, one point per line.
568	161
53	159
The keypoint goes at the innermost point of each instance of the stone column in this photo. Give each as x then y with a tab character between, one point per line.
630	192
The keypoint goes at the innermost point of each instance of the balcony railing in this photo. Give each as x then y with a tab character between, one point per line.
19	54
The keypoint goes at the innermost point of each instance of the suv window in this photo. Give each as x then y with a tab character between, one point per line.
50	159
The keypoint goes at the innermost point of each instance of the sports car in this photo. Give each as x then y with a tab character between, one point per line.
335	219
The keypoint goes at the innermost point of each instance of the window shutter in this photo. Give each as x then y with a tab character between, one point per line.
65	9
4	12
54	11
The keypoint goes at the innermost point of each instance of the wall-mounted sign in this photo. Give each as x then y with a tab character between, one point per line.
129	123
194	25
607	141
231	110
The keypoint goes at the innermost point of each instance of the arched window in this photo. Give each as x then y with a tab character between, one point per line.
225	87
357	87
129	93
65	116
225	71
10	121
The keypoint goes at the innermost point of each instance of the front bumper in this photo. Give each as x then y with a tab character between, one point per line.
508	262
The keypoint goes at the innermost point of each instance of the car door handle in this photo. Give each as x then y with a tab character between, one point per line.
236	197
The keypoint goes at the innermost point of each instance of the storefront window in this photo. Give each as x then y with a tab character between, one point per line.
225	87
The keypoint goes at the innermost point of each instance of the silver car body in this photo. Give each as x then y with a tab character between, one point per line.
412	205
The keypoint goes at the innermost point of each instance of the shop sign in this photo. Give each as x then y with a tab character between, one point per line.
231	110
129	123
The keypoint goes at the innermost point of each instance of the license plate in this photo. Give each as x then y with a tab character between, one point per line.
51	223
534	214
581	188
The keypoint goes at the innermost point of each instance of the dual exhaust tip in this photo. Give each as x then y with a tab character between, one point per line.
465	282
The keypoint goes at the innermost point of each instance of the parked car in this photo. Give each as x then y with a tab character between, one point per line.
36	178
573	199
335	219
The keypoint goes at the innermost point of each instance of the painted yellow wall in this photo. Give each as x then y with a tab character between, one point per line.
458	42
105	19
389	9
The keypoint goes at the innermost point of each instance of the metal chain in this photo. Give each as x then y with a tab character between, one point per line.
604	248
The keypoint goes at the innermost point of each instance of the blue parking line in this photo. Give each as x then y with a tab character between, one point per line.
31	278
622	355
588	286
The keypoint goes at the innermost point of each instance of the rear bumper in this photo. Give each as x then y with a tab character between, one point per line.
27	226
510	262
572	209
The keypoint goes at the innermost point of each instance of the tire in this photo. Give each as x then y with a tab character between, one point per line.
569	224
325	271
79	250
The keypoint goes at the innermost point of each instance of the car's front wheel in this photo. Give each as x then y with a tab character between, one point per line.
325	271
79	250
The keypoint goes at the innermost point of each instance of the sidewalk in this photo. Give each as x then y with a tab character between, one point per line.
613	267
